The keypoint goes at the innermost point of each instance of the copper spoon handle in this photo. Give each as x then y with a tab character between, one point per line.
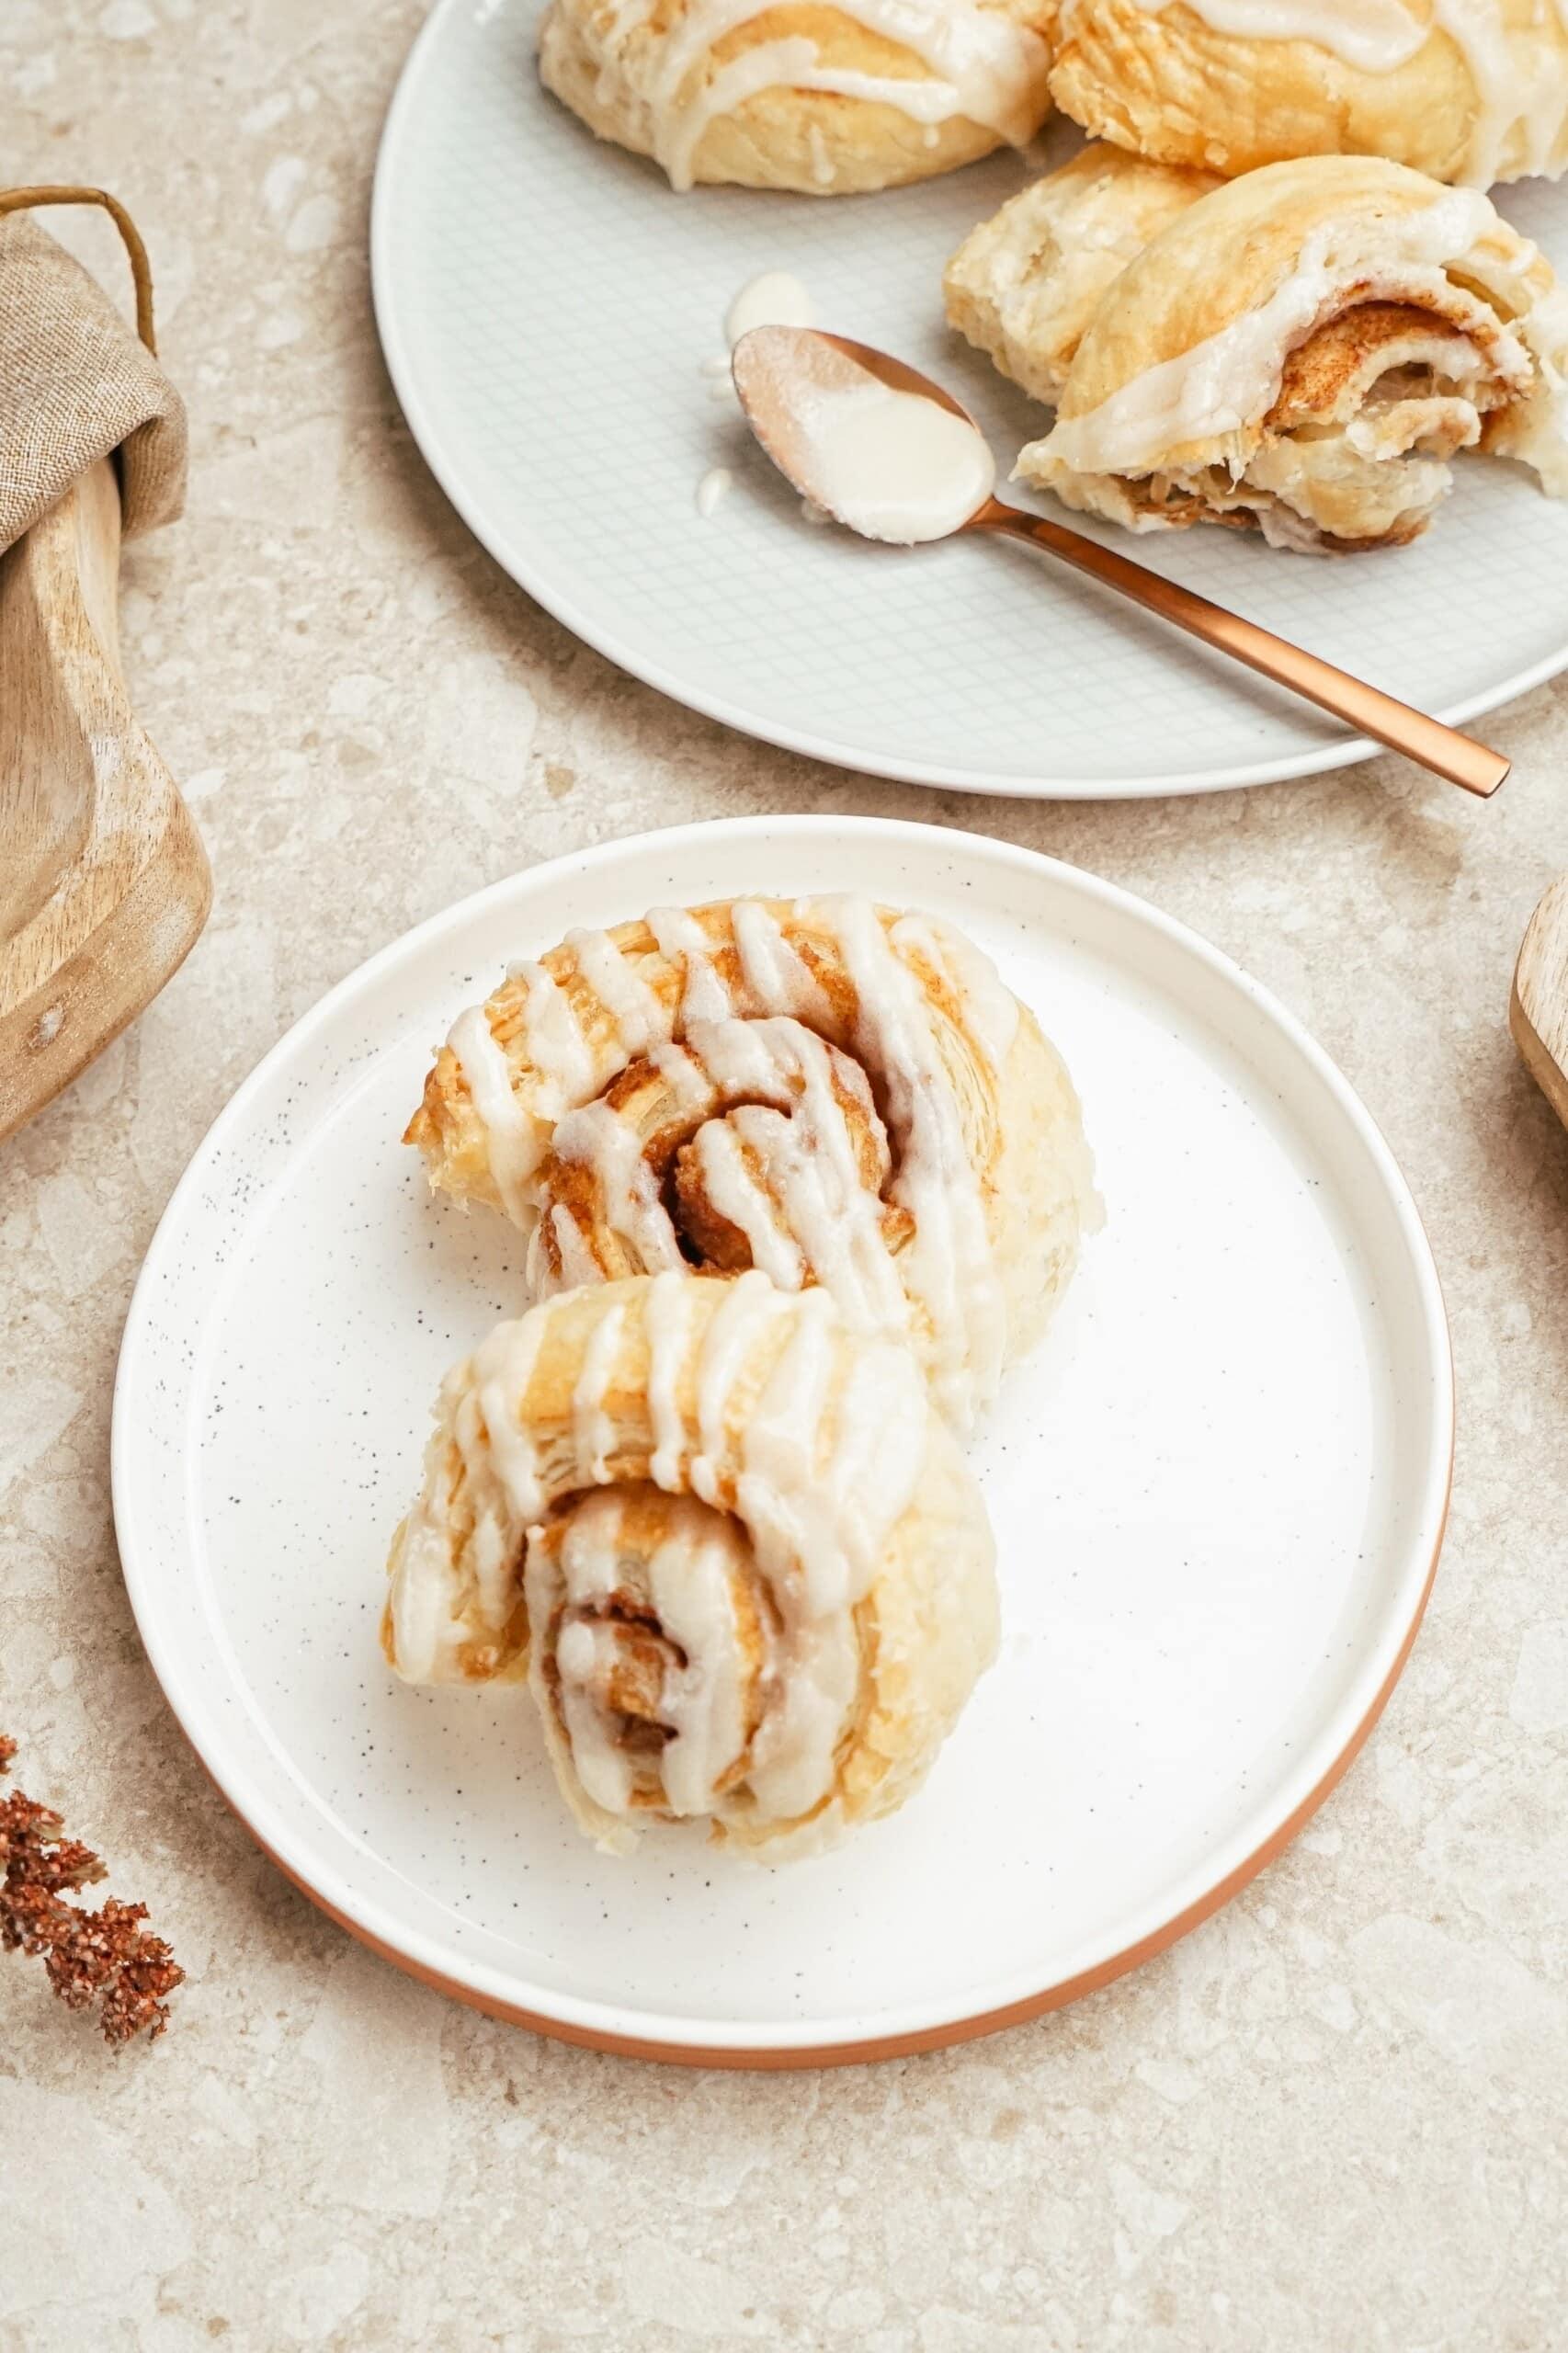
1367	709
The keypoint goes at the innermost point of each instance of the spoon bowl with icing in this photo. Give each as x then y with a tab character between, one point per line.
870	441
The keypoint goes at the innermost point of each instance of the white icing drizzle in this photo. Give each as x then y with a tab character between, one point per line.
682	938
736	1195
491	1428
1231	378
556	1045
585	1657
429	1628
809	1183
632	1005
691	1581
681	1072
749	1306
667	1320
1376	36
947	1265
782	1443
510	1135
818	1554
494	1566
630	1207
573	1250
690	1578
1517	66
776	972
592	1429
981	65
991	1010
440	1605
827	1467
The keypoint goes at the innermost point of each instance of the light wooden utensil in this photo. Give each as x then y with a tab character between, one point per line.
104	882
780	374
1538	1010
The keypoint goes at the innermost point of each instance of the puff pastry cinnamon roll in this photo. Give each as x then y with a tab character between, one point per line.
823	96
1301	351
833	1093
1024	286
736	1550
1467	90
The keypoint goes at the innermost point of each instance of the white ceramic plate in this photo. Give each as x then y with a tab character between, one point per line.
1217	1492
545	304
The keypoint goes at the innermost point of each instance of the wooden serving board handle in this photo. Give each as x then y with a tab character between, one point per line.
104	882
1538	1010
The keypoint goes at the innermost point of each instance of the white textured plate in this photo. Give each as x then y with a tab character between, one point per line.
545	304
1217	1492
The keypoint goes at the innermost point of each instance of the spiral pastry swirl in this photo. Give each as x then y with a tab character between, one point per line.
730	1541
1300	352
836	1094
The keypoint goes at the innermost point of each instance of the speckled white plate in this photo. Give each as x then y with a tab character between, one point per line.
1218	1491
545	304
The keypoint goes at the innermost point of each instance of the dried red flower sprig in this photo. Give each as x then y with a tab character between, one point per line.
104	1957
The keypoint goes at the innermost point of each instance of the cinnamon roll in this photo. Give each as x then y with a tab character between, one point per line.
1473	91
836	1094
1301	351
823	96
730	1541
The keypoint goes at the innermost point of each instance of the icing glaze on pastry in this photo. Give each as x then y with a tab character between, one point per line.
689	82
1301	350
1376	35
1025	285
836	1094
1471	90
1232	376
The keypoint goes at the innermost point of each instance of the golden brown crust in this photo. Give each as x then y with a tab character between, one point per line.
1301	350
1169	86
813	141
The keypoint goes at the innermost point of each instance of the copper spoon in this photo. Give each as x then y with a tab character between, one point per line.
778	369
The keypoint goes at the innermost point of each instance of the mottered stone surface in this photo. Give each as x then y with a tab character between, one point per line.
1337	2116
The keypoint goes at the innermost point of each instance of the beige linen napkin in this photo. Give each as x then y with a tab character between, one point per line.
75	385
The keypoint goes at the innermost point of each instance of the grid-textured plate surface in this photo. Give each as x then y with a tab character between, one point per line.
546	304
1217	1491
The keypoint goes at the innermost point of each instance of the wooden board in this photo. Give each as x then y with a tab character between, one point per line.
1538	1012
104	882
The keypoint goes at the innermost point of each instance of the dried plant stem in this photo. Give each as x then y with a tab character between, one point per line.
104	1958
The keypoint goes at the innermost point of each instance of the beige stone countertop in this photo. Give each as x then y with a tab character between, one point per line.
1336	2119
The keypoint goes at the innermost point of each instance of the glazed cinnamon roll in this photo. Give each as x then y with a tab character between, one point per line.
1300	352
731	1543
833	1093
823	96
